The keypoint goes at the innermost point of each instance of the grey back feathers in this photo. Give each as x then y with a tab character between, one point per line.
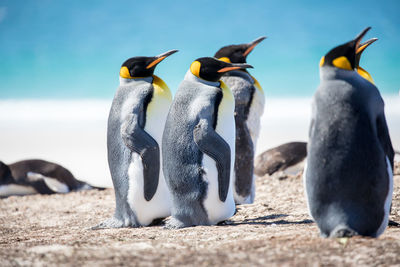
242	86
182	158
347	180
125	135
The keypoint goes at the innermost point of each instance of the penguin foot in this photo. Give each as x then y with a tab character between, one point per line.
157	222
174	223
243	201
342	231
109	223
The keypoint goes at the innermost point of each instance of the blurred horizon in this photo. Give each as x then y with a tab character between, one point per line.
73	50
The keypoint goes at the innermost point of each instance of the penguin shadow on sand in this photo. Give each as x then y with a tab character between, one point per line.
266	221
280	161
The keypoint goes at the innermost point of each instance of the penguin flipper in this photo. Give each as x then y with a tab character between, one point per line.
139	141
384	138
46	185
212	144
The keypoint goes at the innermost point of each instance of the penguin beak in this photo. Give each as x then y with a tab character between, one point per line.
236	66
253	44
358	38
160	58
364	45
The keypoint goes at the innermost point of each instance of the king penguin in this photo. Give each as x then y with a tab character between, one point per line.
199	146
348	177
249	107
134	134
35	176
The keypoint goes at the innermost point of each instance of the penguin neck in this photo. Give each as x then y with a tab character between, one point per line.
191	77
243	74
124	81
332	73
363	73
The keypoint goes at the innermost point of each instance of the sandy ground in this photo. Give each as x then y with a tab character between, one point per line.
276	230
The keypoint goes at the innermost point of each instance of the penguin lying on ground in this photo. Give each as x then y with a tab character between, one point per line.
249	106
280	158
135	125
36	176
348	176
199	146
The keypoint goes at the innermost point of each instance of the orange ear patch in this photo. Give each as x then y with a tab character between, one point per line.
195	68
124	73
225	59
342	63
322	61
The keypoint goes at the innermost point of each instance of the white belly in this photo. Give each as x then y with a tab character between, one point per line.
160	205
52	183
16	190
216	209
305	189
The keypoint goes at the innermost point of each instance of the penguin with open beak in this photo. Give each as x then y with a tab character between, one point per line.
199	146
249	107
349	172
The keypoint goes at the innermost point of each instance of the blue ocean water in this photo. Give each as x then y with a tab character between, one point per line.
74	49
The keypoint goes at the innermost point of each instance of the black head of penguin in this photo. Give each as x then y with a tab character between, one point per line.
237	53
212	69
5	173
139	67
344	56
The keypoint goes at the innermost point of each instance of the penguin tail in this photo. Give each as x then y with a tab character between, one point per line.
342	231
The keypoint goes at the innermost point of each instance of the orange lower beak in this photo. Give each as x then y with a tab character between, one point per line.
229	69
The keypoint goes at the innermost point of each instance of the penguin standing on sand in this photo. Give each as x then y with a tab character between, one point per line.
135	125
199	146
348	177
249	107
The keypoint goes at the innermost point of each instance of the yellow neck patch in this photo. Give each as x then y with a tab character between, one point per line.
195	68
227	93
160	88
257	84
225	59
363	73
342	63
